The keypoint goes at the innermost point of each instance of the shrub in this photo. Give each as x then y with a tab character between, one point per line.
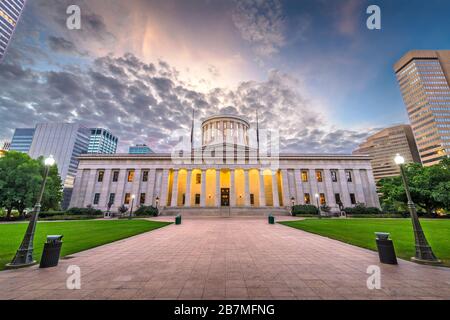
305	209
147	211
84	211
360	208
122	209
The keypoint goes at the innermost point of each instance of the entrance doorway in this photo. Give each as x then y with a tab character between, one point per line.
225	197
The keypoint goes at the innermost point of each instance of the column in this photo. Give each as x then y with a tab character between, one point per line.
329	194
359	192
135	187
232	188
203	193
150	192
372	187
104	194
77	198
187	201
276	199
88	199
298	187
174	200
247	188
164	188
286	195
120	187
262	196
218	187
345	195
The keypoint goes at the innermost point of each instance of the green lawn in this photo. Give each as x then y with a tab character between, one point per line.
360	232
78	235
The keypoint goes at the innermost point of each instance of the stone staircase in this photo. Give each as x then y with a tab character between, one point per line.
224	212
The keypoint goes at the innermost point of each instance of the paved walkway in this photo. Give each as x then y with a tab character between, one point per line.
235	258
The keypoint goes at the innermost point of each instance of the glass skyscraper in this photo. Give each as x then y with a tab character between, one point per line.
10	12
102	141
139	149
424	79
22	139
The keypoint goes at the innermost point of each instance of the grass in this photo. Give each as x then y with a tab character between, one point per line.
78	235
360	232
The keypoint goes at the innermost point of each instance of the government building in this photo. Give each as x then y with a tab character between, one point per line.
233	170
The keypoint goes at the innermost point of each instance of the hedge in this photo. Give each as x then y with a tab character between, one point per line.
360	209
305	209
84	211
146	211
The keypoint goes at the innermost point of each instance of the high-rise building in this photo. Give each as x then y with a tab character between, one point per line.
384	145
139	149
5	145
424	79
22	139
66	142
10	12
102	141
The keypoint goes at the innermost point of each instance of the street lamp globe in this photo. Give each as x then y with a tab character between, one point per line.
317	196
133	196
399	160
50	161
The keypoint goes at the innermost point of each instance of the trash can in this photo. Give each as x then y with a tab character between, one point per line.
52	249
386	250
178	219
271	219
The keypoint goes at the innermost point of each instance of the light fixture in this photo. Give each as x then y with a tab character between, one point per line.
399	160
316	195
50	161
133	196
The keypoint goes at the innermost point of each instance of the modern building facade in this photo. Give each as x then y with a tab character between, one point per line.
139	149
223	176
102	141
384	145
424	79
5	145
22	139
66	142
10	12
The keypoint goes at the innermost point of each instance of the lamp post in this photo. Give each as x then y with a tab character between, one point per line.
424	253
157	202
318	206
24	255
292	205
132	202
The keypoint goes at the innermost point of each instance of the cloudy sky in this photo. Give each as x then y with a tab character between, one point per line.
138	67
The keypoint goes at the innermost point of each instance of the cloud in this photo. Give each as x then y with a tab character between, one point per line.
146	102
260	23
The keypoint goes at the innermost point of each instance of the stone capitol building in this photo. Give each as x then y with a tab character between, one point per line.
225	174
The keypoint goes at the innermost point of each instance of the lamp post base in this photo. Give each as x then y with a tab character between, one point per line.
18	266
436	262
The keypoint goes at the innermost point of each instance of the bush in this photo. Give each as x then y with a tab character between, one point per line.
122	209
305	209
147	211
360	208
69	217
84	211
49	214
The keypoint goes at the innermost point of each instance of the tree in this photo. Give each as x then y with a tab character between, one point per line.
429	186
21	179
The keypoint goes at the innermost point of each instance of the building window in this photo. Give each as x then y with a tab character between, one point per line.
352	198
130	176
252	199
115	176
142	198
145	176
304	176
127	198
319	176
197	198
307	198
112	197
101	173
348	174
337	198
322	199
96	198
334	177
198	178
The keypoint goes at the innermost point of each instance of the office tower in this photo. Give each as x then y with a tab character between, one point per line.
139	149
102	141
5	145
10	12
424	79
22	139
384	145
66	142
